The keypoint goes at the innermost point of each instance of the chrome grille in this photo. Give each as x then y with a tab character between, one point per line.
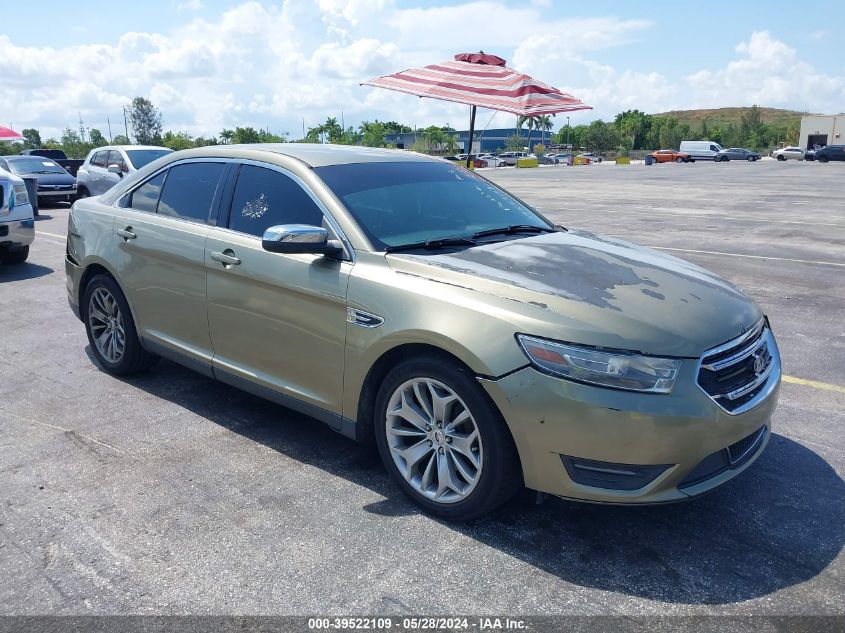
740	373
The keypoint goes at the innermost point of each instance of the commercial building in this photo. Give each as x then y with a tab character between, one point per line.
821	130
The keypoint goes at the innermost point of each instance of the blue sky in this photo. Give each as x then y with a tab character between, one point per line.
210	64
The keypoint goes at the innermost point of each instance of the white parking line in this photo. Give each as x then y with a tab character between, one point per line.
780	259
61	237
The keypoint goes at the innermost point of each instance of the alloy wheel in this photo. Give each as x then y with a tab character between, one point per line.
434	440
106	322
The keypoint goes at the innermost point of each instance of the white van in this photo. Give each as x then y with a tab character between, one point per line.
700	150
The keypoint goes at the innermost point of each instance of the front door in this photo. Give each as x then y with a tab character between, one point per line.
276	320
161	257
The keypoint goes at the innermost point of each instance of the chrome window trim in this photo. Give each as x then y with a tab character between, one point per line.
772	373
349	252
117	203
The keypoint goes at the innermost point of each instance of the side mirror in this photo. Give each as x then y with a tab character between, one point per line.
115	169
300	238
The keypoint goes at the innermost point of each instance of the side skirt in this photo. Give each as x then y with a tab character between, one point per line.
335	421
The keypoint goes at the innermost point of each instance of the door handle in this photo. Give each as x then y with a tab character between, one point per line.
126	233
227	257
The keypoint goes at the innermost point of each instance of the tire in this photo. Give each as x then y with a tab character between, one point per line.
781	157
484	473
104	295
750	159
823	159
16	256
82	192
679	160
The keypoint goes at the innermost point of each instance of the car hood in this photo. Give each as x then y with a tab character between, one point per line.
584	288
53	179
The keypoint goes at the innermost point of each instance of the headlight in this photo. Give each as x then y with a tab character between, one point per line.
608	368
19	196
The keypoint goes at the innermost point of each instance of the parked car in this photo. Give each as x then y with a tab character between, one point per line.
510	158
830	152
736	153
104	167
548	159
462	160
789	153
416	305
701	150
54	183
71	165
810	154
17	223
670	156
592	157
492	160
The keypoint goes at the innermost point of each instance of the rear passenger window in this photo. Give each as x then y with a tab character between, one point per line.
115	158
189	191
145	197
265	198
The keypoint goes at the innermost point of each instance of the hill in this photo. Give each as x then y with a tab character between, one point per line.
722	117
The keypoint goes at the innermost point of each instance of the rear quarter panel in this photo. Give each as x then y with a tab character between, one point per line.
90	237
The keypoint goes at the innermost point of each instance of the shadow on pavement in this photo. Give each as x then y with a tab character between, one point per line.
779	524
19	272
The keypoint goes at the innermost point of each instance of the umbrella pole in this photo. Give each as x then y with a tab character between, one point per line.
471	130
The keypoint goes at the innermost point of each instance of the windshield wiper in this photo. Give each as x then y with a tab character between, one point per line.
443	242
513	229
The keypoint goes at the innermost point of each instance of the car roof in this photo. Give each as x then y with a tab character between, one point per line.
312	154
14	157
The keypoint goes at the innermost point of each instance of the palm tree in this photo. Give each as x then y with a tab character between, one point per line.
433	135
544	122
226	136
451	143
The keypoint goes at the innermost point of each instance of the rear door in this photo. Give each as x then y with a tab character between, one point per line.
277	321
160	254
97	171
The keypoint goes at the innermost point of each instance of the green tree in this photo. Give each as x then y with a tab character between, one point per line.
314	134
634	126
433	136
601	136
73	145
226	136
529	122
96	138
33	138
450	143
373	133
146	121
121	140
178	140
245	135
201	141
545	124
266	136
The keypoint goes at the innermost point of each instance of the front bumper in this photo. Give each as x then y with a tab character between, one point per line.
559	426
17	233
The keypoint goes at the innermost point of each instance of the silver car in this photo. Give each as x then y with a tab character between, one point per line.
104	167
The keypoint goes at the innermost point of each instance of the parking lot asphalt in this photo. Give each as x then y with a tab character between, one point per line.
169	493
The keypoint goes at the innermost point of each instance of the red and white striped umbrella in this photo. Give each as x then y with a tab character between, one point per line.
481	80
9	135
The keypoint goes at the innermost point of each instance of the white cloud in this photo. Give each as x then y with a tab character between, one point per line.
768	72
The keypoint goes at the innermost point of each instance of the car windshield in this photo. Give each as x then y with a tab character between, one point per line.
34	165
408	202
141	157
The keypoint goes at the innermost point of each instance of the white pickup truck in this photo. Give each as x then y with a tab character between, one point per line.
17	224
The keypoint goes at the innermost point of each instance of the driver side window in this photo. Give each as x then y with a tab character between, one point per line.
265	198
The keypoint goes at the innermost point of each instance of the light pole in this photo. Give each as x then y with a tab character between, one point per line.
567	133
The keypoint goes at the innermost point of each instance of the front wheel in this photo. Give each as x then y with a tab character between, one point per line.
111	330
443	441
781	157
751	159
16	256
679	160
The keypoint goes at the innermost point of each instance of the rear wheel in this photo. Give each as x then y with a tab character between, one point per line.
14	256
781	157
82	192
823	159
443	441
111	330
